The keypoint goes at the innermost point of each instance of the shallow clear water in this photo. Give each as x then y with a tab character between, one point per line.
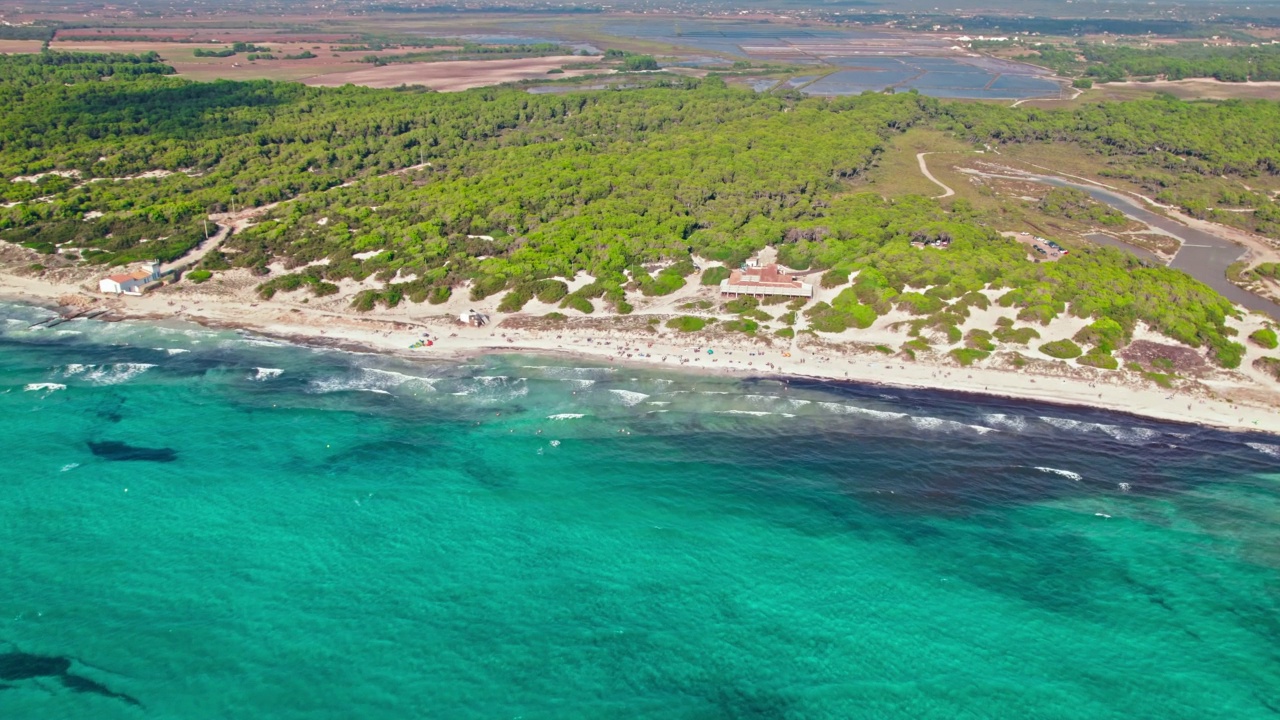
261	530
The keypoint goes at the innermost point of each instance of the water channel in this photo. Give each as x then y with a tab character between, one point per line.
1202	255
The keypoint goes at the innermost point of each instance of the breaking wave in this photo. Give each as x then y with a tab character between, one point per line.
50	387
367	380
1265	449
566	416
1016	423
842	409
261	373
1064	473
938	424
629	397
112	374
1123	434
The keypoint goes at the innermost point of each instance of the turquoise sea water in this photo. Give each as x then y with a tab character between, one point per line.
201	524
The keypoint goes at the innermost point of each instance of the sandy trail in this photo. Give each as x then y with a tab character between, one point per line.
946	191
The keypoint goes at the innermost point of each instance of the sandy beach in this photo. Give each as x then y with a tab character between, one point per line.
1241	399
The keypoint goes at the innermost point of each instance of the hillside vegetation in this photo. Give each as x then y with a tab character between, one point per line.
499	190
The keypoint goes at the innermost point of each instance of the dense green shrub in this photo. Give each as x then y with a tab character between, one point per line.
688	323
979	340
1104	334
1269	365
968	356
743	326
1021	336
1265	337
834	277
918	304
579	303
439	294
1062	349
715	274
1097	358
741	305
199	276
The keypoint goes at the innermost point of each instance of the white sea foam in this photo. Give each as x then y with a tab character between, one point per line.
261	373
842	409
658	402
1016	423
580	382
1118	432
756	413
50	387
368	380
261	342
941	425
1064	473
112	374
69	467
1130	434
1125	487
1265	449
629	397
174	351
566	416
555	443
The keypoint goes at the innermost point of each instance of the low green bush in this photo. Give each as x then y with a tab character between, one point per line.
687	323
1021	336
968	356
1062	349
1266	337
714	275
979	340
199	276
1099	359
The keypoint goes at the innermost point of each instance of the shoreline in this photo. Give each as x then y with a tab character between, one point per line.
738	356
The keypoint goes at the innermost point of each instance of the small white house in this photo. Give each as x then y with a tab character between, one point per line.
130	283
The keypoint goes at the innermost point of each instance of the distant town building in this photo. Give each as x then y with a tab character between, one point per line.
134	283
756	279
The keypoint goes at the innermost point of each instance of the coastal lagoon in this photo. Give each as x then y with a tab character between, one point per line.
207	524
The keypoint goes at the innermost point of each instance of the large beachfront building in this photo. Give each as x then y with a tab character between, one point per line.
756	279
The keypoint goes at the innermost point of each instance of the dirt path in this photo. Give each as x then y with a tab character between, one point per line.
946	191
227	223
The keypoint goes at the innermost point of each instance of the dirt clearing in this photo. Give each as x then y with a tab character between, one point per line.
457	75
